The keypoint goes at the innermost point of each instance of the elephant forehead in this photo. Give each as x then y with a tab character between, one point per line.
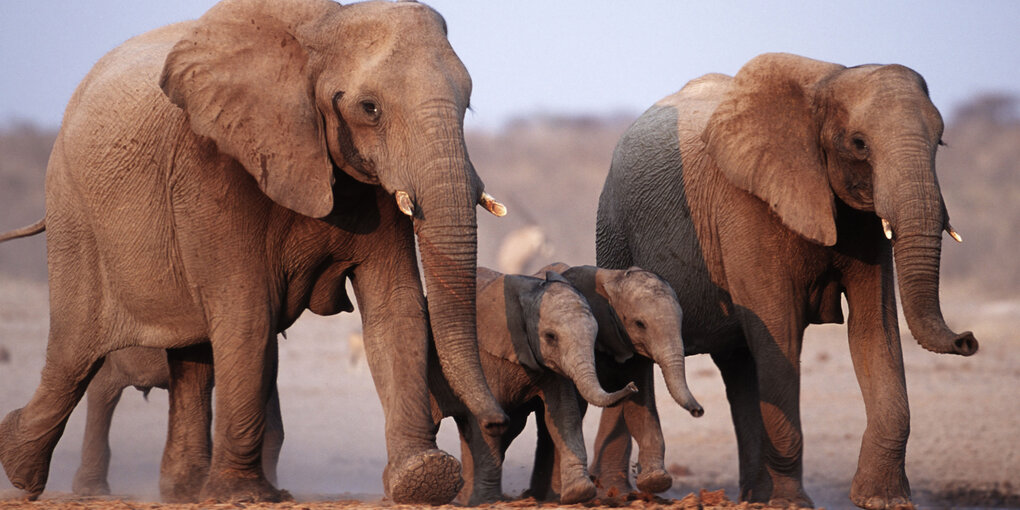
562	304
646	286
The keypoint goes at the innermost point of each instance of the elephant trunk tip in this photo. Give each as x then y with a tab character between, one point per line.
603	399
691	405
495	425
965	344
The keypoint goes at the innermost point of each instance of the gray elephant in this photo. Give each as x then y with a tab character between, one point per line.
763	198
144	368
536	337
214	178
639	323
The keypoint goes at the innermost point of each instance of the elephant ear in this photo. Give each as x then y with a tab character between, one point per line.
613	340
555	276
242	78
763	136
523	297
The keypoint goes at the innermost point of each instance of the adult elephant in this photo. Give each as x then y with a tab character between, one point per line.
214	178
763	198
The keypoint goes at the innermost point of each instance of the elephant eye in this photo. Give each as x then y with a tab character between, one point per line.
370	108
640	324
859	147
550	337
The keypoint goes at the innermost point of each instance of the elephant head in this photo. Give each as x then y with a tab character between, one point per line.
552	327
638	313
301	92
801	134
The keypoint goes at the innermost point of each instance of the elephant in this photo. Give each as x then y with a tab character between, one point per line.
212	179
144	368
763	198
639	323
536	337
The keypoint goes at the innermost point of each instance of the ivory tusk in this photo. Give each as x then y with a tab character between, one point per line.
404	203
887	228
490	204
952	233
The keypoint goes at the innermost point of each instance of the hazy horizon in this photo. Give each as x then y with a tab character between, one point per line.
571	57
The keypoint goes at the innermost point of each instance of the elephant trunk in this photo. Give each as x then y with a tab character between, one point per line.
446	227
582	372
917	226
917	268
674	372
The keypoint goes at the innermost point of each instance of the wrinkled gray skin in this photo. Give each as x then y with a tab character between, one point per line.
143	368
760	199
536	337
214	178
639	325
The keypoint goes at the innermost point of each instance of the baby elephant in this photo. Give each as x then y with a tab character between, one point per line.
145	368
536	339
639	322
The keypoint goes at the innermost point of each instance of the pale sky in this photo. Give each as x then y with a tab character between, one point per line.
576	56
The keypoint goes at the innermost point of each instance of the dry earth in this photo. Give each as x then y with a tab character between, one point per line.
964	449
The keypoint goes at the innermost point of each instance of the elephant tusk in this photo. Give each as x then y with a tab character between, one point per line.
490	204
952	233
887	228
404	203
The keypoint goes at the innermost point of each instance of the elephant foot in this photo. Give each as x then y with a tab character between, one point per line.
182	483
26	462
654	481
578	491
880	492
229	485
793	497
89	485
430	478
796	502
617	483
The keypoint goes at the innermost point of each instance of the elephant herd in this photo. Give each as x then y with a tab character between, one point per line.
213	179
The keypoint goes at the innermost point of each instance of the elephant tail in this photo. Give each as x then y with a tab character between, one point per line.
30	230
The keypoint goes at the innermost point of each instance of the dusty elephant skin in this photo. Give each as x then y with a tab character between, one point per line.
536	337
145	368
763	198
214	178
639	323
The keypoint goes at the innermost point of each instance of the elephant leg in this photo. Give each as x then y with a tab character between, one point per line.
273	441
741	380
483	464
545	476
185	464
101	399
244	367
775	341
881	480
28	435
642	418
395	331
563	422
610	463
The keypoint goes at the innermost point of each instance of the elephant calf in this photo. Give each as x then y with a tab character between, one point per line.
639	321
536	339
144	368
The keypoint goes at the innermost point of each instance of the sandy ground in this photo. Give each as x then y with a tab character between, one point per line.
964	449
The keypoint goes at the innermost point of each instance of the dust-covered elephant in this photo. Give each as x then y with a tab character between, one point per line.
214	178
144	368
762	199
536	337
